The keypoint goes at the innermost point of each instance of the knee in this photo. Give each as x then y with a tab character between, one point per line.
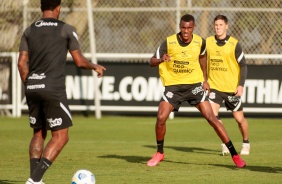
213	120
62	138
161	119
240	118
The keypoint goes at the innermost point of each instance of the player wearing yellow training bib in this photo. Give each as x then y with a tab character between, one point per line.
182	63
227	73
184	67
223	64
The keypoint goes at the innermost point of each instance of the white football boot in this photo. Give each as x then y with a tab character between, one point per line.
30	181
225	150
245	149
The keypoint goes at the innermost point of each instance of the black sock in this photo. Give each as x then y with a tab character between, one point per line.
231	148
160	145
33	164
246	141
41	168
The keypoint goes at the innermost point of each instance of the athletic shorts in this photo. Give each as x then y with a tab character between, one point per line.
232	102
48	110
191	93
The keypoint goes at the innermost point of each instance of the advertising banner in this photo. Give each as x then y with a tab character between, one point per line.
138	84
124	84
263	87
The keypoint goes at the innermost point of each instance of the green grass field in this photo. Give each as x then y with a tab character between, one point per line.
116	149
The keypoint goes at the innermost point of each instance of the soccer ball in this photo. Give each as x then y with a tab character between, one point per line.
83	177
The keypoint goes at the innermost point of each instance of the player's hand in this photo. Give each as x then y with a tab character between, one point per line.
100	70
166	58
239	91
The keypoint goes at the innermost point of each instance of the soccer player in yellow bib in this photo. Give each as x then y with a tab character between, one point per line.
182	63
227	73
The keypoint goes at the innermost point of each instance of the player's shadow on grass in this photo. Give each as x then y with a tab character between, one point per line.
189	149
9	182
264	169
131	159
137	159
143	160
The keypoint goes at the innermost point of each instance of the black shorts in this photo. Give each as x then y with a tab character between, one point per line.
191	93
232	102
48	110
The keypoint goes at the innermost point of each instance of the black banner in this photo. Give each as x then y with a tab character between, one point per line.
138	84
124	84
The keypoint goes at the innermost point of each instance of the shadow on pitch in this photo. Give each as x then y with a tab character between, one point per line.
131	159
9	182
189	149
264	169
136	159
143	160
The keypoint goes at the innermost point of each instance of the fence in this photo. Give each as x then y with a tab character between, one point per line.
139	26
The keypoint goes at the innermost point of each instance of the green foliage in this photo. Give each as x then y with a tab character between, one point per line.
116	150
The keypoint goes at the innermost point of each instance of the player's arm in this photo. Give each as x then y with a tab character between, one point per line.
203	64
240	57
23	65
79	59
82	62
23	56
160	55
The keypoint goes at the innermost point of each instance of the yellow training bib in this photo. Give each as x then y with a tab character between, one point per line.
184	66
223	68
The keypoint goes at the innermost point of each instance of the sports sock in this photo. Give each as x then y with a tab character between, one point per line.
246	141
33	164
231	148
160	145
41	168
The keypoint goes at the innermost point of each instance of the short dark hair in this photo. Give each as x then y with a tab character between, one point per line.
221	17
187	18
49	4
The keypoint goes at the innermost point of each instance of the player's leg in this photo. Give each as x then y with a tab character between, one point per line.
242	124
215	108
206	110
52	149
55	145
163	113
165	109
215	99
243	127
37	122
36	147
58	120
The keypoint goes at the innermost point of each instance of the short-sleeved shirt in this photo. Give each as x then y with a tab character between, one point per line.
47	53
47	42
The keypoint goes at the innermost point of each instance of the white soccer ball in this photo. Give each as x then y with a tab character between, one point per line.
83	177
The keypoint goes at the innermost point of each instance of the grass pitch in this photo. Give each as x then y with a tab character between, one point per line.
116	149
